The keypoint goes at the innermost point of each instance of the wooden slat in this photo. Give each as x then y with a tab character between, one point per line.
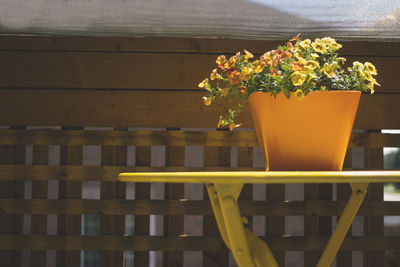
96	173
374	224
11	224
343	192
197	45
39	191
122	108
173	138
213	157
109	225
142	191
69	224
190	207
132	70
177	243
174	224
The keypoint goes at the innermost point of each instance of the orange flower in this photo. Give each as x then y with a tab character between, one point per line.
297	66
242	90
247	54
224	91
221	60
294	38
232	126
234	78
214	74
206	101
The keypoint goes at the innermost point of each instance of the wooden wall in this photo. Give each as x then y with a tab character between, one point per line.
55	90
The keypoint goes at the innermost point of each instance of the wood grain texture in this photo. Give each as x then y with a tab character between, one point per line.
142	191
192	243
39	191
214	157
374	224
174	224
11	206
174	138
10	188
168	45
156	108
101	70
112	225
69	224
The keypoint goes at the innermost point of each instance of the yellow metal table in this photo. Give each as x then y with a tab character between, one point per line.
224	189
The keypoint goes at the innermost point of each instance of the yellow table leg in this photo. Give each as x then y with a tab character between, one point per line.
345	221
247	249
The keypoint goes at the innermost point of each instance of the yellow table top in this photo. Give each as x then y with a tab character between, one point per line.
263	177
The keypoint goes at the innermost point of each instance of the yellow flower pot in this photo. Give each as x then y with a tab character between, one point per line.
307	135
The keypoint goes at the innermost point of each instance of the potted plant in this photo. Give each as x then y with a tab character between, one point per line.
302	99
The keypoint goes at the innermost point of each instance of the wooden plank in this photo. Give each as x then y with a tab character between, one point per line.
122	108
109	225
311	224
343	192
9	188
374	224
172	138
189	207
276	224
174	224
142	191
69	224
19	69
39	191
94	173
154	44
188	243
213	157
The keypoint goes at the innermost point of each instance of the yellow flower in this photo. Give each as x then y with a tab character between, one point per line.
342	60
370	68
298	78
204	84
311	64
299	58
206	101
314	56
305	43
246	72
328	70
319	47
258	66
368	76
299	94
221	122
323	88
358	65
335	46
247	54
326	40
234	78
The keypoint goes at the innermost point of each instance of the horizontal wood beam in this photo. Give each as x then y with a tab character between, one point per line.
189	207
168	45
91	173
188	243
171	71
152	109
166	138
